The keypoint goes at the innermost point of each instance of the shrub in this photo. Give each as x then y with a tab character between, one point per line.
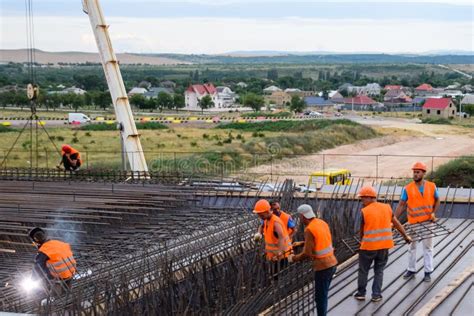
287	126
194	144
435	120
75	140
60	138
205	136
88	134
457	172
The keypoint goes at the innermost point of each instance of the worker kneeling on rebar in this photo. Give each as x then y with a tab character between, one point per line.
71	158
54	263
318	248
277	240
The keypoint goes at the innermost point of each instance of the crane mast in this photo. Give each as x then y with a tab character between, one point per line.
128	131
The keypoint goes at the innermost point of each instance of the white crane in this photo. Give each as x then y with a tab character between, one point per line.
128	131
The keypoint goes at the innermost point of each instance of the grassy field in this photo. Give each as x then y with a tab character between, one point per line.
182	147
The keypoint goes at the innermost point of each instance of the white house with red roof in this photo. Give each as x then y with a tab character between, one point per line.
439	107
196	92
360	102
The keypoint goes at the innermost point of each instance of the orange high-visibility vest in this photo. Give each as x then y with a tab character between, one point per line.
420	207
322	238
271	241
285	217
61	262
73	151
377	227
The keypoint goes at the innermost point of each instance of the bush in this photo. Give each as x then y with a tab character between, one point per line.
113	127
287	126
457	172
88	134
75	140
435	120
60	138
151	125
274	115
4	129
194	144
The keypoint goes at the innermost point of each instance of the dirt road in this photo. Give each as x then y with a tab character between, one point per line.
390	156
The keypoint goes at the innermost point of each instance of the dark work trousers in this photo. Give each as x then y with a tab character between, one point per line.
366	257
68	166
322	281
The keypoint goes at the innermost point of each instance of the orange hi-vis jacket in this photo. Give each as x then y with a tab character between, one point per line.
271	241
420	207
377	227
61	262
285	217
73	151
322	239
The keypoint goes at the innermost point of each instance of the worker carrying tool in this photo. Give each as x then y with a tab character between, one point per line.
318	248
54	261
421	200
277	240
376	239
71	158
288	222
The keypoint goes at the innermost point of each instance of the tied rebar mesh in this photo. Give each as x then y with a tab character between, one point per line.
180	247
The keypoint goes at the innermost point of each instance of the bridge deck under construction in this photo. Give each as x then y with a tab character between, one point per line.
174	248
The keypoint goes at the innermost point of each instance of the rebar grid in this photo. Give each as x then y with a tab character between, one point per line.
165	248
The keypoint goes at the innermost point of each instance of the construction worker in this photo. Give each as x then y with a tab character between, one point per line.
71	158
421	199
376	239
54	261
318	248
277	241
288	222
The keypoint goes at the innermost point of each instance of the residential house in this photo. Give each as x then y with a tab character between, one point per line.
271	89
396	97
468	100
370	89
318	102
426	89
241	84
196	92
439	107
225	97
137	90
279	98
468	88
153	92
336	97
360	102
392	87
145	84
299	93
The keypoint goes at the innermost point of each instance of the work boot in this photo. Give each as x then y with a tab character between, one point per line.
409	275
427	277
376	298
359	297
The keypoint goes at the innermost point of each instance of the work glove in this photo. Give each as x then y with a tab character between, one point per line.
290	258
257	237
298	243
408	240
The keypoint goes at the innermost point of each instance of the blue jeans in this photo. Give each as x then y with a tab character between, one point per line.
366	257
322	281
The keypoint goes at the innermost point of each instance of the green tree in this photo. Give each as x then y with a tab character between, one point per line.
164	101
272	74
138	100
253	101
77	102
178	102
297	104
102	99
205	103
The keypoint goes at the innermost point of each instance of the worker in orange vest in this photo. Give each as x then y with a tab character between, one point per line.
288	222
55	261
70	158
376	239
318	248
277	240
421	200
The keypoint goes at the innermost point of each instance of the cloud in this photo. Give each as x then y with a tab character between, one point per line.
219	35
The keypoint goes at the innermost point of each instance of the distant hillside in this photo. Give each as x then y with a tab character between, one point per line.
42	57
324	58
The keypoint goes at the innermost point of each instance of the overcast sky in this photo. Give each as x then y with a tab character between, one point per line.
214	27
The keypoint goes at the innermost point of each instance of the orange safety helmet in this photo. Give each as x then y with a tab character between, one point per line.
66	148
261	206
367	191
419	166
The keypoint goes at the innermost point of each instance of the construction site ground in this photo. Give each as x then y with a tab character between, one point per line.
402	138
